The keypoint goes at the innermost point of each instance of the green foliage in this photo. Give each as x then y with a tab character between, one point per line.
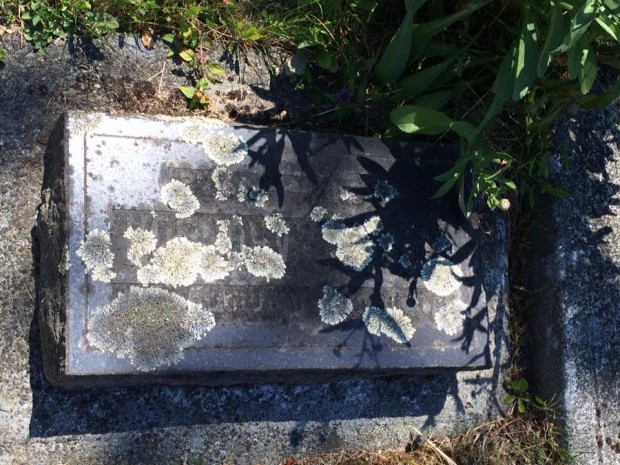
520	398
45	22
2	55
196	94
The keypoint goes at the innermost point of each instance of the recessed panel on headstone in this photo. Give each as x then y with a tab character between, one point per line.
190	250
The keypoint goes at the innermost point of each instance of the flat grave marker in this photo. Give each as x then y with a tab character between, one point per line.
187	250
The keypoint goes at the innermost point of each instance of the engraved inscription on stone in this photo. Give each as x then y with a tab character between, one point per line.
192	242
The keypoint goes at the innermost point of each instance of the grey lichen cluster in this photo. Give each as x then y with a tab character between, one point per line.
450	318
384	191
354	245
149	326
389	321
259	196
179	263
179	197
441	276
318	214
333	306
97	255
263	262
225	149
276	224
142	243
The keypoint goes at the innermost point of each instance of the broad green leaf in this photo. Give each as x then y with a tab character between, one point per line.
614	6
445	187
168	38
325	60
582	64
36	20
187	54
422	80
588	69
394	60
557	25
436	100
521	405
600	101
187	91
526	57
609	28
216	69
202	83
579	24
421	120
504	82
423	33
509	399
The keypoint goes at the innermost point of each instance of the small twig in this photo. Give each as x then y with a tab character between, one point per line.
161	78
436	449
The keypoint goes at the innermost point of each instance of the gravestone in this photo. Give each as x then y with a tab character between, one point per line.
187	250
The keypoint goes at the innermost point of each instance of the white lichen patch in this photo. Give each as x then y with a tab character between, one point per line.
333	306
225	149
213	266
142	243
276	224
386	242
450	318
259	196
97	256
177	263
264	262
223	244
347	196
441	276
354	246
318	214
384	191
389	321
241	193
373	225
332	229
179	197
224	186
151	327
237	219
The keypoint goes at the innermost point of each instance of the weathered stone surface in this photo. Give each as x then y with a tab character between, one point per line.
574	328
232	233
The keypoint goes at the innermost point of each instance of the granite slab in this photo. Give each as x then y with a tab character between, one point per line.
188	250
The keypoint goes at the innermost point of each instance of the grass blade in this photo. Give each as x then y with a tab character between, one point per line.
394	60
527	54
557	26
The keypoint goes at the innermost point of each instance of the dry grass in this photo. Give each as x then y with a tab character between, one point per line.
524	440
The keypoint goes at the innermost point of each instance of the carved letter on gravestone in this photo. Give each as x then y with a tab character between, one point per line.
187	250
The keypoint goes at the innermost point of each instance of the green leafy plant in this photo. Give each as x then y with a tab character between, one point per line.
520	398
44	21
196	94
